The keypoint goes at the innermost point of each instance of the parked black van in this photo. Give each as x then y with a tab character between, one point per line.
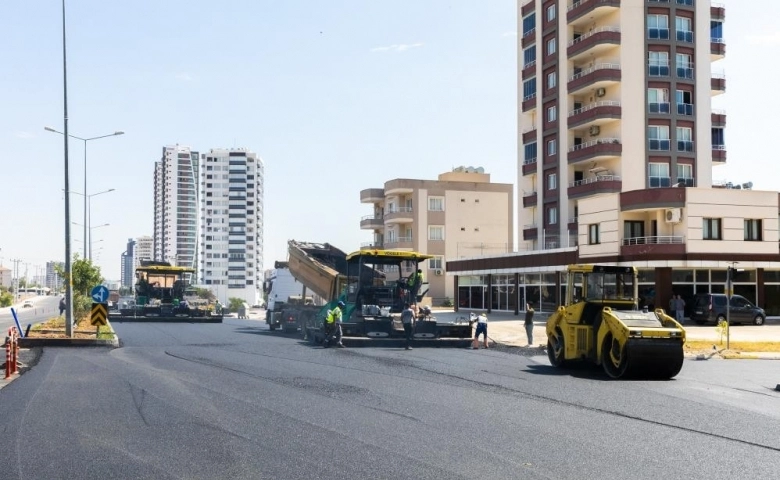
711	308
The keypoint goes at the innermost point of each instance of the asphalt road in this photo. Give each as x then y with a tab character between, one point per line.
43	309
235	400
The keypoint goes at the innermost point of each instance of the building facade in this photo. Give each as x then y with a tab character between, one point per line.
460	214
231	224
53	279
617	146
144	250
176	206
127	270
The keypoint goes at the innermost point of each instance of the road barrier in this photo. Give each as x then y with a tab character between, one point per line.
11	353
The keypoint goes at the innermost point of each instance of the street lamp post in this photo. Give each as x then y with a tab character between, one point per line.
68	266
88	240
86	197
88	224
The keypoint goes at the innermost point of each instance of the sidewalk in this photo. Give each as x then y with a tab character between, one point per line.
508	329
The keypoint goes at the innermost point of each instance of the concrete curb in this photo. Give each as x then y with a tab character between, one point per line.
67	342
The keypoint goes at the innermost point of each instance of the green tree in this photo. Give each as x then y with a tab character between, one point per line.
85	277
235	303
205	294
6	299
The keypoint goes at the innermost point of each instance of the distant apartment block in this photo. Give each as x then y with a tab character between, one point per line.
231	224
53	280
460	214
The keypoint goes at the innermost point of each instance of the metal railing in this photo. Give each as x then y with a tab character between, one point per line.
717	40
395	240
529	161
718	111
529	64
529	97
371	217
399	210
586	36
718	147
600	141
598	178
598	66
604	103
657	240
530	226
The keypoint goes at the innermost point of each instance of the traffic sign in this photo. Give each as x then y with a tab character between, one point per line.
100	294
98	314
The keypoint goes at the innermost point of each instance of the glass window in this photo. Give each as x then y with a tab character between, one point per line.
529	150
529	88
718	137
435	262
552	113
435	232
658	26
716	30
551	46
685	174
684	101
593	234
684	139
529	23
658	100
658	175
529	56
552	147
753	230
711	229
552	80
682	276
684	66
551	13
436	204
552	181
552	215
658	63
658	136
682	26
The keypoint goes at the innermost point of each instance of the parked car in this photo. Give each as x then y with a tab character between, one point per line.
27	304
711	308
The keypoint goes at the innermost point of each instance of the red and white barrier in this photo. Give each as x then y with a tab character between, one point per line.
11	353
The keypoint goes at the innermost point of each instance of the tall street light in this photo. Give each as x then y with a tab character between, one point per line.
88	223
85	140
89	239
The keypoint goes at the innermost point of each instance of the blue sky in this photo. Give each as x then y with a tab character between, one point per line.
335	96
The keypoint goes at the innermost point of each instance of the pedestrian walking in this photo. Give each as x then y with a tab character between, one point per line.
62	306
679	308
482	322
529	323
407	318
333	325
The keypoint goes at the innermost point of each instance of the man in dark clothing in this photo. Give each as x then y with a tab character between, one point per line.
529	323
62	306
407	318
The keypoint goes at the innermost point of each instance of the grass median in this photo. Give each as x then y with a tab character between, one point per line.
54	327
703	345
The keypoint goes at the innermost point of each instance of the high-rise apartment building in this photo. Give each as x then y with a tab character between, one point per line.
127	270
231	224
615	98
144	250
176	206
617	146
53	279
458	215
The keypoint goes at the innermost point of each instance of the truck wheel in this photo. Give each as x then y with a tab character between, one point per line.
272	327
613	358
556	350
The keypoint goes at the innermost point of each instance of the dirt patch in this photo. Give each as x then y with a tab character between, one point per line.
55	328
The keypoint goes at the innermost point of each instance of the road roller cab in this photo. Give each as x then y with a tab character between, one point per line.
600	323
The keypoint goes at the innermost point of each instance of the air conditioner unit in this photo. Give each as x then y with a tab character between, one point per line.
439	271
594	130
673	215
600	92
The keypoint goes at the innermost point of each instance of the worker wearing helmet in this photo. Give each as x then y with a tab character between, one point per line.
333	325
415	281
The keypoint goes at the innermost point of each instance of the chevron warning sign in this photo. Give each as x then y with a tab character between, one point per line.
98	314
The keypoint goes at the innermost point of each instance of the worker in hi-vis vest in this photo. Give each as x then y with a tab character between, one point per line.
333	325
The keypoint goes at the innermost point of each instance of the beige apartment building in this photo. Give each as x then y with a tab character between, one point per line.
618	143
461	214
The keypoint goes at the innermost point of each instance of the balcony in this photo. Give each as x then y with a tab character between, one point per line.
595	185
600	149
597	113
371	246
594	43
717	11
530	232
371	222
529	166
583	12
660	245
529	102
529	135
529	38
529	70
527	6
399	242
398	187
399	215
718	84
650	198
601	75
717	49
718	118
719	153
529	200
372	195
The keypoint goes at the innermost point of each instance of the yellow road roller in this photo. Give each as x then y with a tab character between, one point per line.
601	323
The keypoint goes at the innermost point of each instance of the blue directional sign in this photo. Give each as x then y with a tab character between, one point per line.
100	294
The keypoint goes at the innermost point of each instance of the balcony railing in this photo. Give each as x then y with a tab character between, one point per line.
658	107
658	69
608	35
684	109
397	240
684	36
529	161
685	72
658	33
598	66
659	182
684	145
605	103
399	210
599	178
658	240
580	8
660	144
